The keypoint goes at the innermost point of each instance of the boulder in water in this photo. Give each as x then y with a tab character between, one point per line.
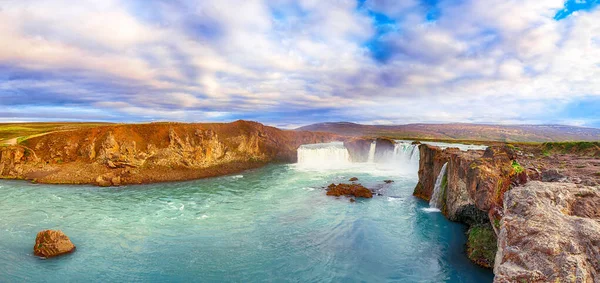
356	190
353	179
51	243
388	181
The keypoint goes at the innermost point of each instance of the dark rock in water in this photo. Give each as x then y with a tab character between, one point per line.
51	243
352	200
416	142
552	175
388	181
353	179
356	190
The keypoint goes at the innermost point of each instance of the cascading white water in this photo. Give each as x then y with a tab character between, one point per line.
436	196
404	157
323	155
406	153
372	152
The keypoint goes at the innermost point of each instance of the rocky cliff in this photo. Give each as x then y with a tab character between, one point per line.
544	232
144	153
550	233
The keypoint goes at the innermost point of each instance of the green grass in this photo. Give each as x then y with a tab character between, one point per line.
569	147
22	131
517	167
444	190
497	223
482	245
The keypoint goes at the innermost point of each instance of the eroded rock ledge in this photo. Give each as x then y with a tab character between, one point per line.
145	153
546	232
550	233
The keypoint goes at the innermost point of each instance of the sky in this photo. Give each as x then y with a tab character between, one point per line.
291	63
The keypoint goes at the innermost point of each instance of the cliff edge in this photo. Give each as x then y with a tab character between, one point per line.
527	230
145	153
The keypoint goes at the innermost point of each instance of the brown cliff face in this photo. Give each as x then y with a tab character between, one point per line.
144	153
473	192
358	148
459	206
431	161
550	233
384	148
476	180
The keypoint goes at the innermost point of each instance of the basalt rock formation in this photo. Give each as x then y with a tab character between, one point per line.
358	148
144	153
51	243
383	149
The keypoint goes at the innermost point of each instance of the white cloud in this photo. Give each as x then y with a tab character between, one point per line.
480	61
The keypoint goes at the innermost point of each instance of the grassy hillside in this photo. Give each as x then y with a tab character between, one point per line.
21	131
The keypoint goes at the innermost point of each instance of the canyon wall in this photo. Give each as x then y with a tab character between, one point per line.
156	152
542	231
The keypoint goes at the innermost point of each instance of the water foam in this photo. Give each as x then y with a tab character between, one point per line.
323	155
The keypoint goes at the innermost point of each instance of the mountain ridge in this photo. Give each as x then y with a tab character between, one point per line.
463	131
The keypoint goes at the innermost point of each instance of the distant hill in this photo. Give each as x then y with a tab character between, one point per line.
461	131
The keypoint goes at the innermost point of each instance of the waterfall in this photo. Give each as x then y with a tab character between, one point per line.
323	155
404	156
406	153
436	196
372	152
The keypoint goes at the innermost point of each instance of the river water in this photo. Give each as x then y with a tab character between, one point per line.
272	224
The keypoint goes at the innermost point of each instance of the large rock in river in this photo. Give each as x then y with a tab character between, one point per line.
51	243
355	190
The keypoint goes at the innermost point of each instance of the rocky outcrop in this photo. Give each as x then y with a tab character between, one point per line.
144	153
472	193
431	161
545	232
354	190
51	243
358	149
550	232
384	148
459	205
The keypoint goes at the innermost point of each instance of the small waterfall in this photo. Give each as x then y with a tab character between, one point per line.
415	154
323	155
372	152
436	196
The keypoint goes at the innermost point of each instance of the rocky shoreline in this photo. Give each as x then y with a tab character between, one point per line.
116	155
543	231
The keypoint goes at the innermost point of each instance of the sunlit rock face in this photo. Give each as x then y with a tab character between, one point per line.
144	153
550	232
51	243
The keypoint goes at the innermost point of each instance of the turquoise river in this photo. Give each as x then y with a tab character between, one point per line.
273	224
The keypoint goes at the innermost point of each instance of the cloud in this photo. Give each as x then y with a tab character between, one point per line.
286	62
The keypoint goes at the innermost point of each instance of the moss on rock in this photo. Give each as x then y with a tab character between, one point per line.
482	245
